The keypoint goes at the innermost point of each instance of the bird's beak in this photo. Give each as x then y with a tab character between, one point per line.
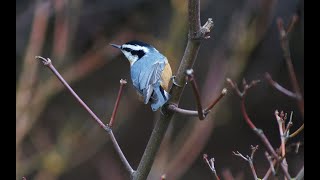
116	46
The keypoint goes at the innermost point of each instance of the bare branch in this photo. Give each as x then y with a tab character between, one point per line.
269	158
47	62
287	56
297	131
253	150
246	86
289	125
206	111
190	78
187	62
259	132
237	153
122	83
280	88
293	21
222	94
210	163
280	122
176	109
249	159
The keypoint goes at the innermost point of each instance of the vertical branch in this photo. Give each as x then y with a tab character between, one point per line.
196	33
280	121
287	56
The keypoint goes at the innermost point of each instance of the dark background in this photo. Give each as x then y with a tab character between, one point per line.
56	138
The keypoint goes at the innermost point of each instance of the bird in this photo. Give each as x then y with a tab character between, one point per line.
150	72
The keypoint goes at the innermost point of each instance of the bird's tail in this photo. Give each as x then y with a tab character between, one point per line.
160	97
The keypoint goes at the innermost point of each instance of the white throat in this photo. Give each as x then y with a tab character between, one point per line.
132	58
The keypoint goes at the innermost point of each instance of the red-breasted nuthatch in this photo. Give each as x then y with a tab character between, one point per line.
150	72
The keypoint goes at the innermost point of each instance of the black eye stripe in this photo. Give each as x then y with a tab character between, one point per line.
139	53
127	49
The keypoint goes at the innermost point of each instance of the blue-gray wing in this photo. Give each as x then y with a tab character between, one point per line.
150	79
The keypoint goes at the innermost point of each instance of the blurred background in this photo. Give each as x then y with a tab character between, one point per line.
55	136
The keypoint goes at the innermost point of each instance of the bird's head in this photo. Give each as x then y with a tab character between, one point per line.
134	50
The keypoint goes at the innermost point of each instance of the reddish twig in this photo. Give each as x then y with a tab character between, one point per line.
201	113
191	79
47	62
222	94
115	109
259	132
280	88
210	163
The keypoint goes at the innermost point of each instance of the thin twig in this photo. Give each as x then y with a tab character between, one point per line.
287	56
280	122
191	79
115	109
289	125
292	22
47	62
280	88
249	159
206	111
210	163
259	132
297	131
120	153
176	109
269	158
222	94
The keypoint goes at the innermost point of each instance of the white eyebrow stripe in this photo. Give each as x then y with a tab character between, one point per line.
135	47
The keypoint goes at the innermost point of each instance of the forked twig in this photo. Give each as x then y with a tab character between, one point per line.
201	113
249	159
259	132
210	163
47	62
